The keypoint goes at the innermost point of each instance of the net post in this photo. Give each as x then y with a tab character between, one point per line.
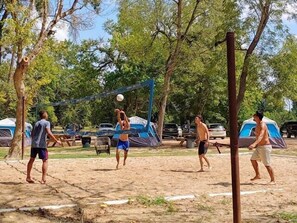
23	126
151	86
233	127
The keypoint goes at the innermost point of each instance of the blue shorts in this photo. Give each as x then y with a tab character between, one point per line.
124	145
42	153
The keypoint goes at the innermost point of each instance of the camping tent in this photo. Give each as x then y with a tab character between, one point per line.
141	139
247	135
7	128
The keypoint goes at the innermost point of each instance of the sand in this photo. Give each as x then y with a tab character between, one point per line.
87	183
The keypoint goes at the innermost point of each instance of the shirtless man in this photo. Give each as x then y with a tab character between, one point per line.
123	143
263	148
202	141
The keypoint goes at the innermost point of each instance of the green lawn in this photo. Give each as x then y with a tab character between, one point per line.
79	152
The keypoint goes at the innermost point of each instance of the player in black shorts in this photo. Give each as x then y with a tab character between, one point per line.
202	139
202	148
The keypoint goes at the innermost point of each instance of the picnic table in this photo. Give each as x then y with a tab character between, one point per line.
191	137
63	138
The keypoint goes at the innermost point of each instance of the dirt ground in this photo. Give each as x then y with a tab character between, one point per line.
145	181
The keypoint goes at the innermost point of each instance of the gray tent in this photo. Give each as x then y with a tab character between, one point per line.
141	139
247	136
7	128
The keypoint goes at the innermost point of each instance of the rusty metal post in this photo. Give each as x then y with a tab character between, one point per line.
23	126
233	127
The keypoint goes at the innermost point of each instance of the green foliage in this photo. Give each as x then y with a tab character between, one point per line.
283	78
7	93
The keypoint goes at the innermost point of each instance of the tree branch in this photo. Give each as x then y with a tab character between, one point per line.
192	19
44	18
49	30
265	12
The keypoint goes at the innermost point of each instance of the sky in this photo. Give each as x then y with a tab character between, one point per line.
109	10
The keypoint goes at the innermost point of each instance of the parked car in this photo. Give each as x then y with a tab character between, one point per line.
216	130
106	129
289	128
170	130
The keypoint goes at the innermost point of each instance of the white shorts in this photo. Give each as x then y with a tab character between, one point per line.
262	153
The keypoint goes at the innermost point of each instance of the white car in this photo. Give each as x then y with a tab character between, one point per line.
216	130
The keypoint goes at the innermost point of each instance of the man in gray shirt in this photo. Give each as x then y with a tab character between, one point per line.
39	146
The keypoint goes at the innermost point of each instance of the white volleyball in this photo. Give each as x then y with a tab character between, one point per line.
120	97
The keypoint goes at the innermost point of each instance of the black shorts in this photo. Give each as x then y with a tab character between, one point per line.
42	153
202	149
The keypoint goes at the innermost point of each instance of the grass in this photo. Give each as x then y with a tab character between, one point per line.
288	152
149	201
291	217
3	152
202	207
79	152
226	201
157	201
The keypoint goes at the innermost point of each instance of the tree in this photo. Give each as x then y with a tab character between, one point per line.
282	82
259	14
166	33
27	29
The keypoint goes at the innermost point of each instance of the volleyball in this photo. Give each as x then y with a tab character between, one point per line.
120	97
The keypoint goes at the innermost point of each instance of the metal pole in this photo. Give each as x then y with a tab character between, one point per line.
150	109
233	127
23	126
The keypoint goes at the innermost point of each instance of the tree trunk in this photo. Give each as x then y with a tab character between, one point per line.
242	82
265	12
15	149
170	66
162	106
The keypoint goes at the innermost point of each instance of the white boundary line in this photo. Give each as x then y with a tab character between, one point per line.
116	202
180	197
125	201
244	192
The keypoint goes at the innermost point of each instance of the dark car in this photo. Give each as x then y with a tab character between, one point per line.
289	128
170	130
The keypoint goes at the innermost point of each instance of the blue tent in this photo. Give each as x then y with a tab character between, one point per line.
141	139
7	128
247	135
